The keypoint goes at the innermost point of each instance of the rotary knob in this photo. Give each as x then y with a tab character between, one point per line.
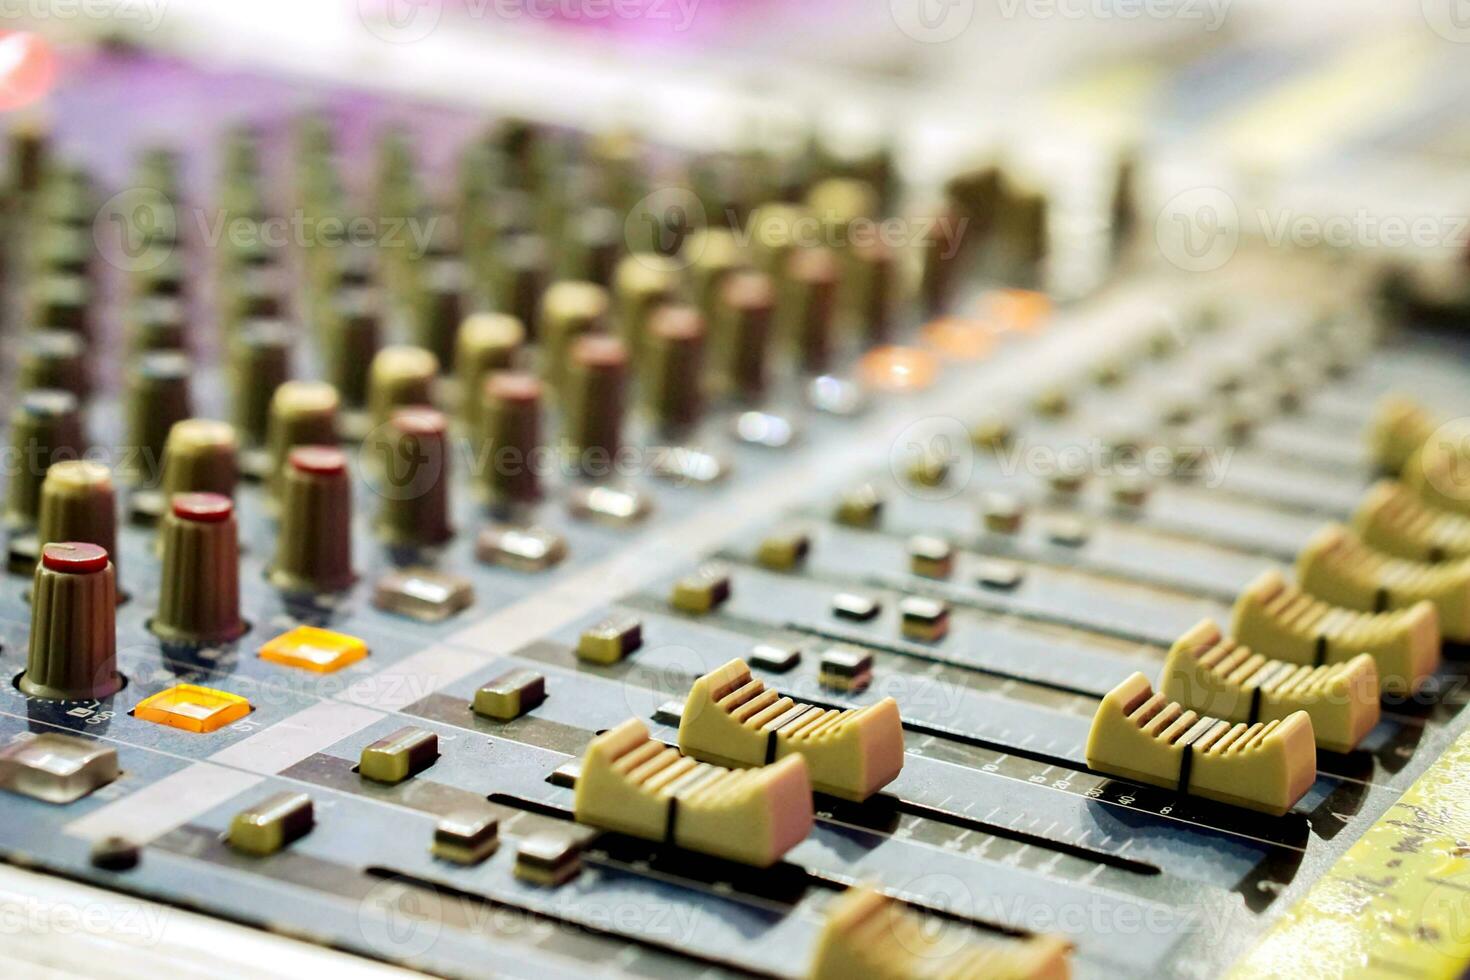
414	482
199	457
199	602
314	551
79	504
73	649
511	437
43	426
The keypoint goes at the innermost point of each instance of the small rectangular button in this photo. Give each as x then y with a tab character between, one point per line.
314	649
394	758
271	824
56	768
192	708
511	695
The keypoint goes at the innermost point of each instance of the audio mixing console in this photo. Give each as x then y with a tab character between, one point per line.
483	547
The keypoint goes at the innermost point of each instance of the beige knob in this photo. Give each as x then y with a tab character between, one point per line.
44	429
413	482
568	310
401	377
488	342
776	230
314	544
511	438
78	503
200	457
644	281
593	400
199	595
302	413
73	645
712	255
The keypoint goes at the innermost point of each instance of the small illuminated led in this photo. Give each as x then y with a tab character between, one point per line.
314	649
192	708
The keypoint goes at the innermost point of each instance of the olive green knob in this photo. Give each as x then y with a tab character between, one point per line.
592	403
44	428
158	397
59	301
260	362
568	310
838	202
54	359
199	595
808	306
441	309
413	481
78	503
713	254
521	273
302	413
644	281
743	322
672	370
352	335
73	645
157	323
200	456
314	543
776	229
488	342
870	290
400	377
511	437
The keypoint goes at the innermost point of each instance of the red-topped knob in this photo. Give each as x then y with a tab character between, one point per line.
206	508
321	460
74	557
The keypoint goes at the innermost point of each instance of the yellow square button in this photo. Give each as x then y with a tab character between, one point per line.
192	708
315	649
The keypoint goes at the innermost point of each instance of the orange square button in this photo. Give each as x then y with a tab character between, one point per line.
192	708
314	649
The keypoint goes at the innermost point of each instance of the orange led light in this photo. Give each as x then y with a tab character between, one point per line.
310	648
1020	310
958	338
898	368
192	708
